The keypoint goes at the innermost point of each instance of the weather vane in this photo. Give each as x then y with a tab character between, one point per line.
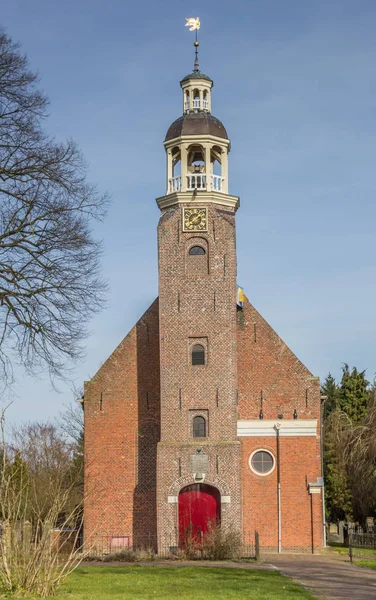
194	24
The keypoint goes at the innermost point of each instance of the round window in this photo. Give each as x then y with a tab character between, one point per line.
262	462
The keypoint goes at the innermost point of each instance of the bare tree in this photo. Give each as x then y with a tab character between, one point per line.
71	421
71	425
351	452
47	459
36	487
49	260
359	450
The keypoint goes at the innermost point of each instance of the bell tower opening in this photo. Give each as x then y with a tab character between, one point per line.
174	167
196	168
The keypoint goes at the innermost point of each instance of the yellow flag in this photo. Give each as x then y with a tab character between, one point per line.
240	296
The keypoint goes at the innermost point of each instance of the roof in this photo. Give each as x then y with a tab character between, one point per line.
199	123
196	75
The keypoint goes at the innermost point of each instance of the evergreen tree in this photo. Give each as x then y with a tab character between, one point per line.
338	496
330	390
354	394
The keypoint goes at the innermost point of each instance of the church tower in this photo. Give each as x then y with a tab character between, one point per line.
198	458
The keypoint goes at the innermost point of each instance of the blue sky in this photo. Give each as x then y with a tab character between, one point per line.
295	88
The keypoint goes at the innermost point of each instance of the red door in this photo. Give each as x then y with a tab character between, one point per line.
199	510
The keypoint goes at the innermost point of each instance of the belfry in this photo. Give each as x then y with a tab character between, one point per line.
202	417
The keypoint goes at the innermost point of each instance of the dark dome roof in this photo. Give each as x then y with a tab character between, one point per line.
196	124
196	75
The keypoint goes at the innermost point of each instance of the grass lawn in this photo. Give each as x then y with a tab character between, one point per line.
181	583
338	549
370	564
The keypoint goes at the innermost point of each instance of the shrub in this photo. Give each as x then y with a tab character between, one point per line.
216	544
219	544
124	555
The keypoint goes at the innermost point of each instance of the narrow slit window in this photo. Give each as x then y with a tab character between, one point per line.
198	355
199	427
196	251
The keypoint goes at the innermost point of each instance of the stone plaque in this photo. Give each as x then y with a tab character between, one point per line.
199	463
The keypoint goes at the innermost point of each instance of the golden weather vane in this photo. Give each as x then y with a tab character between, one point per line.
194	25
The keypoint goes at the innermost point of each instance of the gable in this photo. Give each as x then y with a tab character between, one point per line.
269	373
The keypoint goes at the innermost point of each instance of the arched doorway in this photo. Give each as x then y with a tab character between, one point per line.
199	510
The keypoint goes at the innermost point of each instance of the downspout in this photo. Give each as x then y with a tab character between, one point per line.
277	427
312	527
323	400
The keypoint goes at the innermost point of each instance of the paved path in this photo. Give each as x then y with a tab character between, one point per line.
327	576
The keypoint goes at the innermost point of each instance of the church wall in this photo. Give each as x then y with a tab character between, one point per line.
267	365
259	502
272	378
122	428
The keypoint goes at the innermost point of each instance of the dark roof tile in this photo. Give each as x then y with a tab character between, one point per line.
200	123
196	75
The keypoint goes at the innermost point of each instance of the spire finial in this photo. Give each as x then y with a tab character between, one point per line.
196	45
194	24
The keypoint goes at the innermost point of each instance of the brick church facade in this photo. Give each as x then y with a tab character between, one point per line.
202	413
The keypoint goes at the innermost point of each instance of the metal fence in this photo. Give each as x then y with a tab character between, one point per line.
362	546
126	548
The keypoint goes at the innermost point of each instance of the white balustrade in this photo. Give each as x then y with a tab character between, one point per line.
199	181
216	183
196	181
175	184
196	103
187	107
206	105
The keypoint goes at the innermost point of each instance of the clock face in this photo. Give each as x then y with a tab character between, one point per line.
195	219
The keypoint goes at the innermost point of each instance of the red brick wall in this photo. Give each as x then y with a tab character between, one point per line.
197	299
259	502
198	304
267	368
122	429
266	364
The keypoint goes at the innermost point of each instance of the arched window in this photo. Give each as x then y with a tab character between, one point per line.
196	100
195	250
198	355
199	427
206	103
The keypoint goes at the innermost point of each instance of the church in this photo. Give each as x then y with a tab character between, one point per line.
202	414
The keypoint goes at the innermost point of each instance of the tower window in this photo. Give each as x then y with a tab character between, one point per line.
195	250
198	355
199	427
206	103
196	100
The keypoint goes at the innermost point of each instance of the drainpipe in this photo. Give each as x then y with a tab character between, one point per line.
312	527
277	427
322	411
